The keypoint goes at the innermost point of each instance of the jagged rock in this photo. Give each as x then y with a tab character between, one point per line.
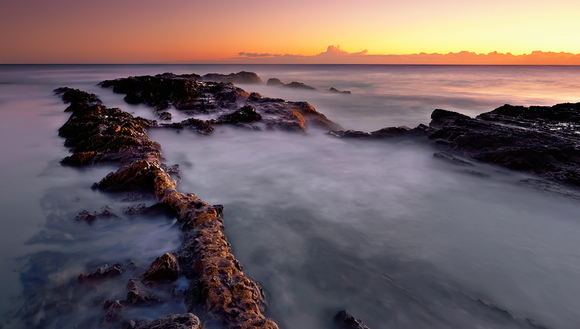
274	82
101	274
88	217
79	99
176	321
334	90
139	176
184	94
539	140
165	116
201	126
164	268
139	295
246	114
298	85
113	311
240	77
137	209
344	320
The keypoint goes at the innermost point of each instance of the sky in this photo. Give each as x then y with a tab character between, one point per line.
298	31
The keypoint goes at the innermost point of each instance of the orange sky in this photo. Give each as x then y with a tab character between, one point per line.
146	31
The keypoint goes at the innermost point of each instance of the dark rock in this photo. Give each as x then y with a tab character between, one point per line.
344	320
137	209
113	311
184	94
85	216
518	138
240	77
79	99
246	114
334	90
274	82
451	159
164	268
201	126
175	321
139	295
101	274
88	217
298	85
140	176
165	116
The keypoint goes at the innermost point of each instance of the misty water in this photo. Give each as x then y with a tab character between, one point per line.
386	231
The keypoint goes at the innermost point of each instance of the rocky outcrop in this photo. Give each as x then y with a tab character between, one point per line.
274	82
242	77
164	268
101	274
184	94
336	91
219	288
298	85
539	139
230	104
78	99
345	320
542	140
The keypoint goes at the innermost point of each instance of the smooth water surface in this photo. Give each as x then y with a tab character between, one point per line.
386	231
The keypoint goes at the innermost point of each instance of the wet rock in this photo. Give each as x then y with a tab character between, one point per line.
246	114
344	320
137	209
164	268
78	99
85	216
138	176
165	116
336	91
201	126
176	321
451	159
274	82
139	295
88	217
298	85
518	138
113	311
240	77
183	94
101	274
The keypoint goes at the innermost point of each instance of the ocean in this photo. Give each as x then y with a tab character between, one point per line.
385	231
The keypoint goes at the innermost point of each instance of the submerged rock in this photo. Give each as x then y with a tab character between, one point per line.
101	274
274	82
175	321
344	320
336	91
242	77
298	85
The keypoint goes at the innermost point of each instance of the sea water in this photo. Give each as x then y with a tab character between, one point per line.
386	231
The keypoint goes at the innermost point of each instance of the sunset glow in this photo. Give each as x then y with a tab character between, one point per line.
67	31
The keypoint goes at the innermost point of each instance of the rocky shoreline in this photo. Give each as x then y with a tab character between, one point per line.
219	288
543	141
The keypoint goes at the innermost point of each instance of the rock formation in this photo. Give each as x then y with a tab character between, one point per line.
227	102
541	140
219	288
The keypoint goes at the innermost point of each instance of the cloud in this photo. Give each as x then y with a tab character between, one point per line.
335	55
333	51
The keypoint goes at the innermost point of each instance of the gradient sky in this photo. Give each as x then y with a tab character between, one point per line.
142	31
